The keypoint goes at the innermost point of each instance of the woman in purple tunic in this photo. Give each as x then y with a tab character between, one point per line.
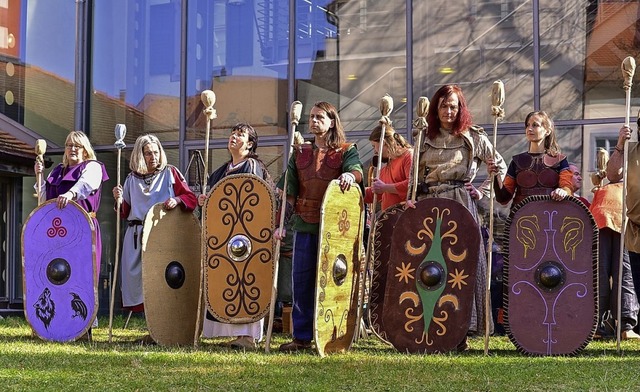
79	178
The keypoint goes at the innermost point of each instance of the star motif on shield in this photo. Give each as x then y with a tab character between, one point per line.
457	279
404	273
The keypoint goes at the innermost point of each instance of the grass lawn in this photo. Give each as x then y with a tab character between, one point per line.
27	363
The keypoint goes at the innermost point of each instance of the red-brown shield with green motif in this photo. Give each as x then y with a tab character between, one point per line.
431	277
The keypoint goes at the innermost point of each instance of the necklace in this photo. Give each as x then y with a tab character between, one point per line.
148	180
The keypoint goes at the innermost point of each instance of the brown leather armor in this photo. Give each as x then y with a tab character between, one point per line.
316	169
536	174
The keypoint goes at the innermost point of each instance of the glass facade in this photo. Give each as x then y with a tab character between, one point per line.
144	63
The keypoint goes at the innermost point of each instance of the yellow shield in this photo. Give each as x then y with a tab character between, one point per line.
337	284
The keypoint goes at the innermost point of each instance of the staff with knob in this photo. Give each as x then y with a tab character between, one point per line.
420	125
628	67
41	149
497	100
120	132
208	99
294	113
386	107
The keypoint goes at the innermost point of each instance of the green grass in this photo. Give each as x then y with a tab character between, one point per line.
28	363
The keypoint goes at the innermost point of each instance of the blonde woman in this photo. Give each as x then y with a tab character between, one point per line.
79	178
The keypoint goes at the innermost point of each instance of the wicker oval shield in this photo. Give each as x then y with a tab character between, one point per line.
431	277
238	248
337	279
59	270
550	278
385	226
171	275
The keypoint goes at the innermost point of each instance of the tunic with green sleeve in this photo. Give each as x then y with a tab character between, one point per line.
295	176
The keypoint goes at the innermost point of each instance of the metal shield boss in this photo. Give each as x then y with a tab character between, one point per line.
337	279
381	254
59	267
551	276
171	275
431	277
238	248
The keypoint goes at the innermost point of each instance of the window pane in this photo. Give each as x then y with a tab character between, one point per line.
351	54
37	53
612	35
473	46
239	49
136	69
563	49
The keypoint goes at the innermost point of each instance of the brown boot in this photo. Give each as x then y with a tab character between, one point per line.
296	345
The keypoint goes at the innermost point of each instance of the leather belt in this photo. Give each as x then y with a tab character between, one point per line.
452	182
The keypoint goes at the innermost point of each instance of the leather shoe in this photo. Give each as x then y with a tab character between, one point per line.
244	342
463	345
86	337
296	345
626	335
146	340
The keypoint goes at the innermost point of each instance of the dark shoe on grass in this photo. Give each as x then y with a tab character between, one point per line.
296	345
243	343
86	337
463	346
277	325
146	340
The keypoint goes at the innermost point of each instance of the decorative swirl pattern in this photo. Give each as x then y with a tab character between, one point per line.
526	227
235	209
57	229
344	223
573	229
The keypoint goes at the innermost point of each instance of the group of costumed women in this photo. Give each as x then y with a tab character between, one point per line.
449	160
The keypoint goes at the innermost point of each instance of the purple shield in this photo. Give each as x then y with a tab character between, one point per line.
550	280
59	271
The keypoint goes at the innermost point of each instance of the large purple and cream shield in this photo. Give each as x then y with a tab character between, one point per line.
550	279
59	271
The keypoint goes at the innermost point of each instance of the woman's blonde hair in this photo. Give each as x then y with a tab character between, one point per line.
78	137
137	163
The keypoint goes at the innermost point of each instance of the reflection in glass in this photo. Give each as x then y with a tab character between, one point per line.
136	69
351	54
472	47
